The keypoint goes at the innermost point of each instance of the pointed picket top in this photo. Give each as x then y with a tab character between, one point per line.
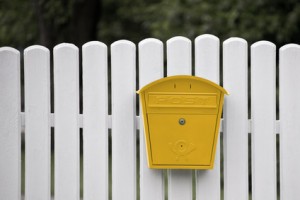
179	56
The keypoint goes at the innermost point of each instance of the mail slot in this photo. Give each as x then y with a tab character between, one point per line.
181	116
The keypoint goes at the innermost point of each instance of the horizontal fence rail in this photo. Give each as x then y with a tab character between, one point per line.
138	126
84	137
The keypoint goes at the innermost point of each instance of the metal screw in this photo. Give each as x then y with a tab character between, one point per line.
181	121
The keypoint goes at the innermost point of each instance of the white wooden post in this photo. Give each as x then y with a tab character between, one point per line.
179	60
123	79
95	117
289	70
66	109
37	123
207	64
10	124
263	116
235	119
150	69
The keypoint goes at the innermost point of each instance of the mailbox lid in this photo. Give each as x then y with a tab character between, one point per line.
179	102
182	83
181	94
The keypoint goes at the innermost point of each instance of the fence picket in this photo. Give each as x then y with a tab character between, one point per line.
95	127
263	115
179	60
37	109
207	56
235	119
289	61
10	124
150	69
66	108
123	78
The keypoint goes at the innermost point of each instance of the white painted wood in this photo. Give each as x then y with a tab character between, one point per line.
289	70
263	115
37	123
137	119
207	56
277	126
95	117
179	60
10	124
150	69
235	119
66	109
123	120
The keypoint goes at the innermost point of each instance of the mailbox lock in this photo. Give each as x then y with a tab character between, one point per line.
181	121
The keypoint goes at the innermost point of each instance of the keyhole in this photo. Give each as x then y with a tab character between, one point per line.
181	121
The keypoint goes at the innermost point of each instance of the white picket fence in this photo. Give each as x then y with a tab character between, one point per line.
129	182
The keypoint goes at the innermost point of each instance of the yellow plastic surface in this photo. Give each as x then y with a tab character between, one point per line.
181	120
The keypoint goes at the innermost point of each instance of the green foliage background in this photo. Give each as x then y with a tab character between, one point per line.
49	22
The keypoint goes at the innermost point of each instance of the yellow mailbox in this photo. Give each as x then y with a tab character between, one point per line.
181	117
